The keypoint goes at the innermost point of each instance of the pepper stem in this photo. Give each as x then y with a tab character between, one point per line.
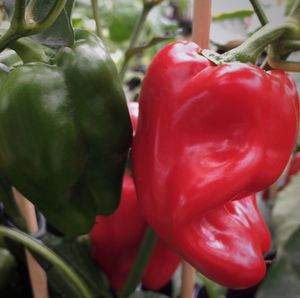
97	19
140	263
254	46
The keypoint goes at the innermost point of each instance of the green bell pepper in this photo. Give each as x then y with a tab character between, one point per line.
65	132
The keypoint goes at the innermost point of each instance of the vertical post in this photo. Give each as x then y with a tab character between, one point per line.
188	279
38	277
200	35
201	22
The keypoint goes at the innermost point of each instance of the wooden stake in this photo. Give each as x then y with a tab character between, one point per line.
200	35
201	22
188	278
38	277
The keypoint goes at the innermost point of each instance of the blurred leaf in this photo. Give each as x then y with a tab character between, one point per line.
240	14
286	212
61	32
147	295
157	23
77	253
121	16
283	278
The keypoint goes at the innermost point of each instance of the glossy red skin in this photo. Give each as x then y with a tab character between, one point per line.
116	240
207	135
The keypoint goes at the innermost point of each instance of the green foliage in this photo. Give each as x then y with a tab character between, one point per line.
120	17
285	215
61	32
77	253
283	279
240	14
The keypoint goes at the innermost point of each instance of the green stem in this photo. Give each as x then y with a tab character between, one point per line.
209	286
294	9
18	18
291	45
9	37
23	24
255	45
259	12
134	38
49	255
97	19
140	263
31	51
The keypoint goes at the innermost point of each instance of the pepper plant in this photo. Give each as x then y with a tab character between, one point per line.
210	131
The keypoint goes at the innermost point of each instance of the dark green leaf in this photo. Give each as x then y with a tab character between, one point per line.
283	279
77	253
61	32
240	14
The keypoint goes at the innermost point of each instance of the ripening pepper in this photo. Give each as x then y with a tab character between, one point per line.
116	239
207	137
65	132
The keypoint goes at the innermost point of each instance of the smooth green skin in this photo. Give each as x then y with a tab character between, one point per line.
7	265
65	132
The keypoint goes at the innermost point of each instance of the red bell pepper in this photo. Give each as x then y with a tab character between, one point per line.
116	240
207	137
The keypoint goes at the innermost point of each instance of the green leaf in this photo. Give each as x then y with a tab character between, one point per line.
77	253
283	278
147	295
61	32
121	17
240	14
286	212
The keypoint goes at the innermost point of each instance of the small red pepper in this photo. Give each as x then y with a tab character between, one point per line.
116	240
207	137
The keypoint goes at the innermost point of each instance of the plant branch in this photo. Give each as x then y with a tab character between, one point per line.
259	12
19	14
97	19
252	47
34	246
134	38
140	263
